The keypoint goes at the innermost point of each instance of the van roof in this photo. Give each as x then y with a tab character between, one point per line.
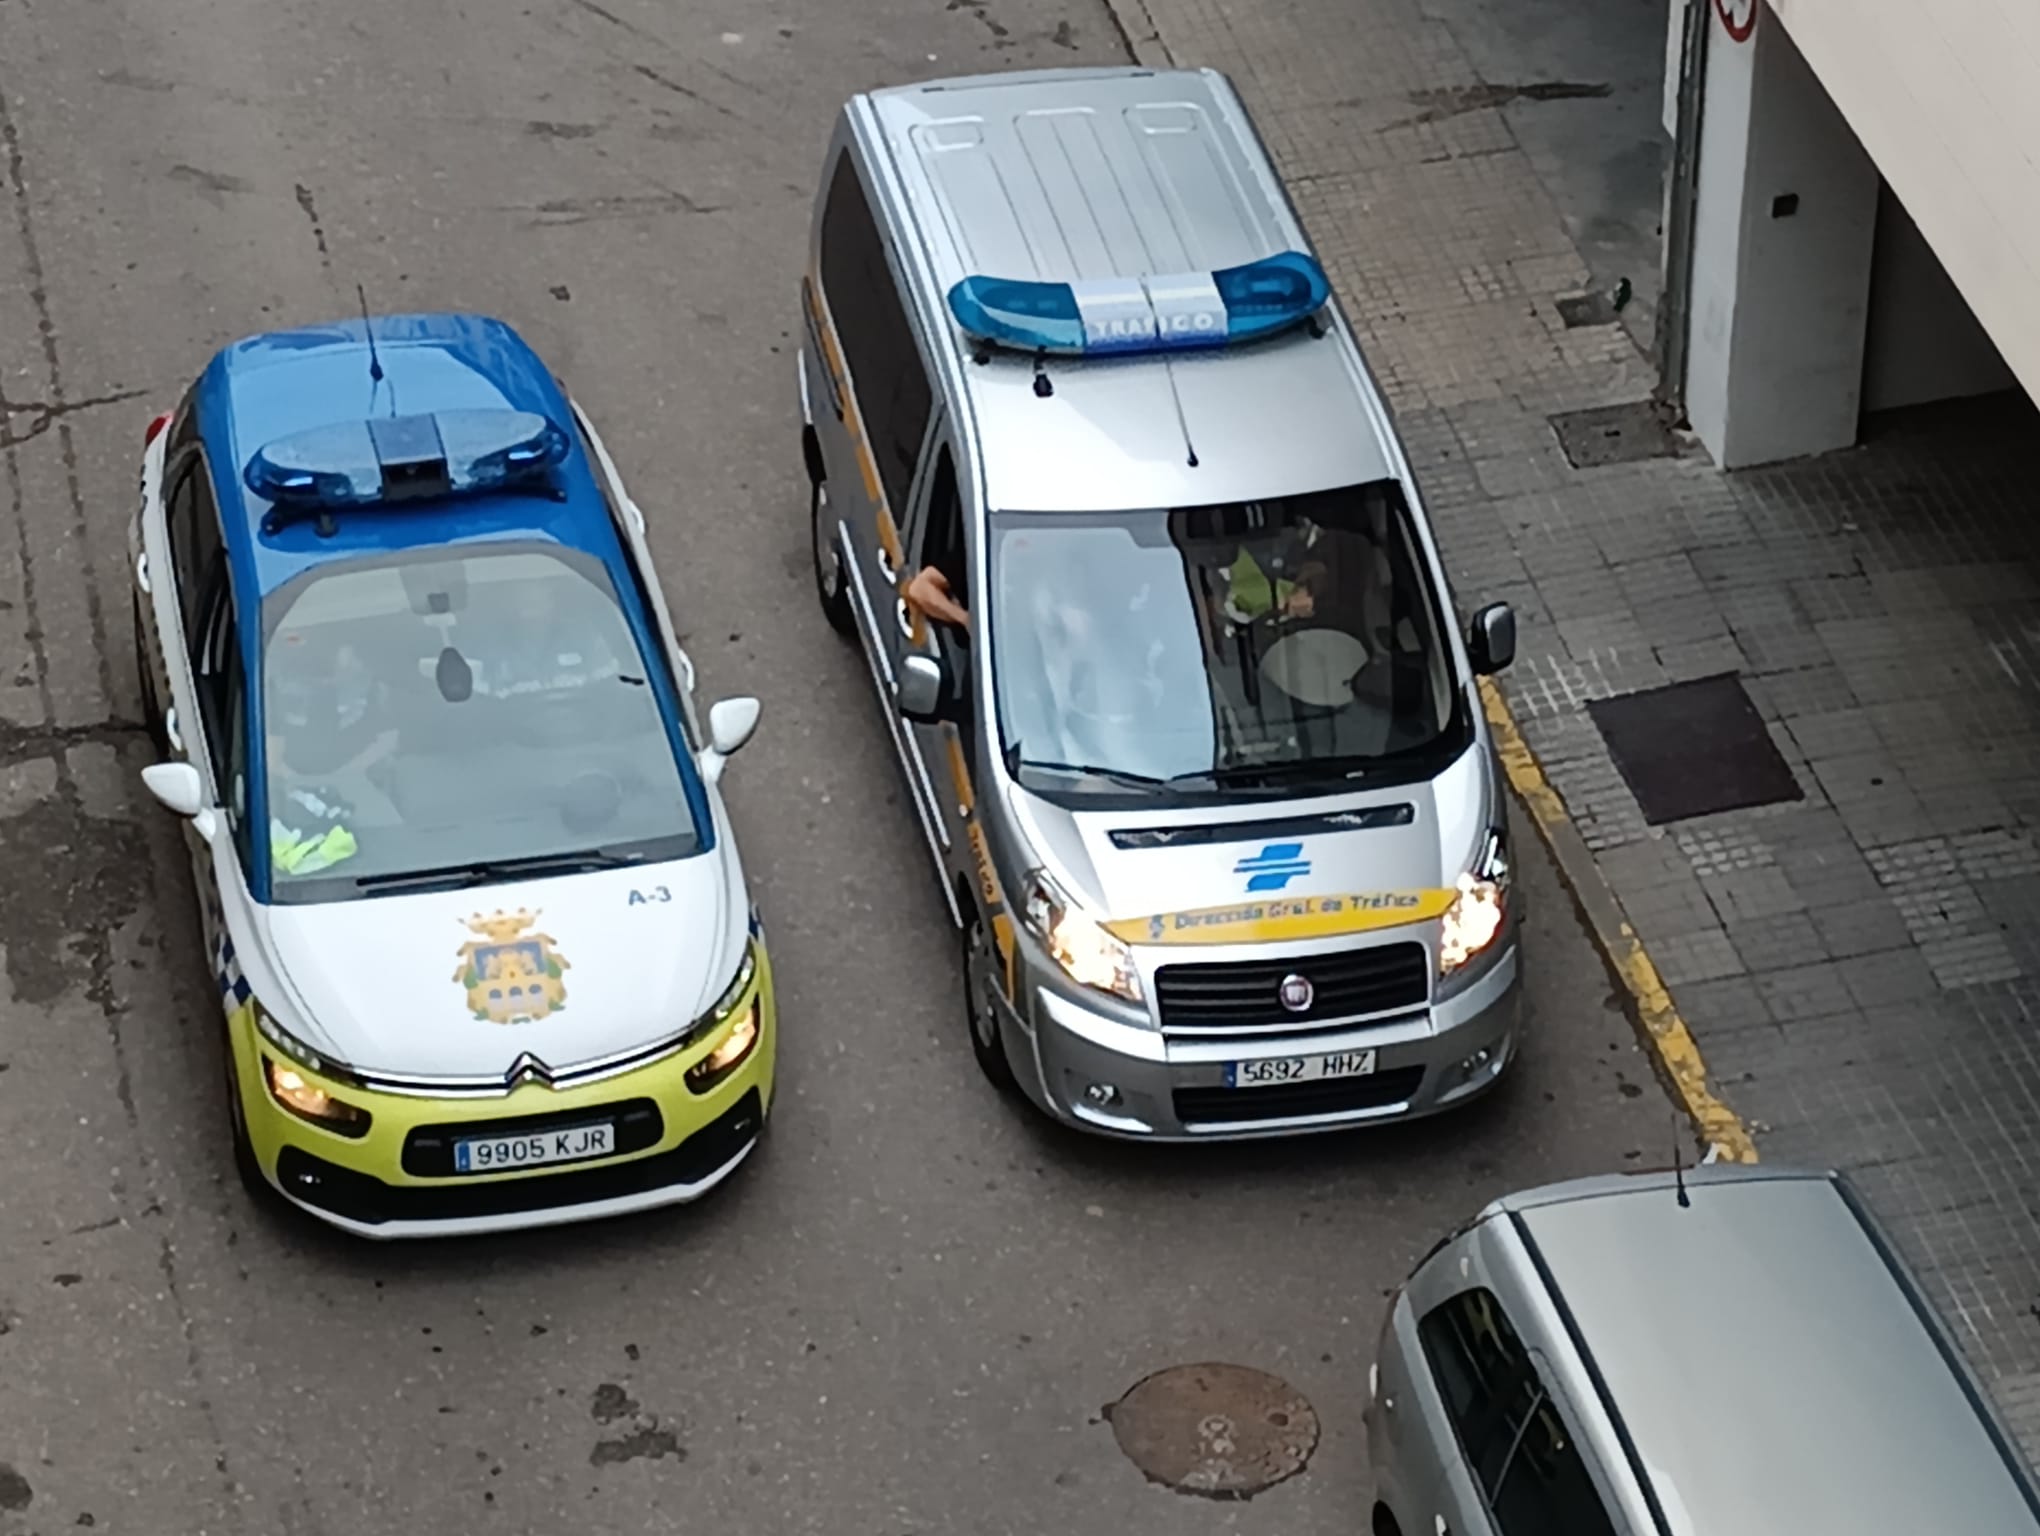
1772	1371
1059	175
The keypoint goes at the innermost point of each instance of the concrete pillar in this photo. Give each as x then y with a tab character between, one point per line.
1784	223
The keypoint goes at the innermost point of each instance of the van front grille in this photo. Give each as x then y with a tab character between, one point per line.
1383	978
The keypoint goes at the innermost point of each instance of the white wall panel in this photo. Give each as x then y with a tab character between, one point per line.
1945	95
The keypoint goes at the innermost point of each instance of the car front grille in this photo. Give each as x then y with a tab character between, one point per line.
1383	978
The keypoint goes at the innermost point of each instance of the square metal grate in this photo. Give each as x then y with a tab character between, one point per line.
1614	434
1694	749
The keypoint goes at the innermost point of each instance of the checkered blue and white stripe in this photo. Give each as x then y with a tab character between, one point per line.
234	989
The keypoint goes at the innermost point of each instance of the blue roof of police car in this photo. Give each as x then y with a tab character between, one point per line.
282	382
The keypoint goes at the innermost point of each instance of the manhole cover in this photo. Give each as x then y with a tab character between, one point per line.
1219	1431
1694	749
1614	434
1585	309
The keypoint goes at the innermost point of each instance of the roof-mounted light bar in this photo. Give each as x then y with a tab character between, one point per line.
1119	315
395	459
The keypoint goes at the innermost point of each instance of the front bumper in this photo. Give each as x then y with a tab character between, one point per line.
674	1144
1169	1088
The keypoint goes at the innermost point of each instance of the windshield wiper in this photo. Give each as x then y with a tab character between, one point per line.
488	871
1110	775
1293	769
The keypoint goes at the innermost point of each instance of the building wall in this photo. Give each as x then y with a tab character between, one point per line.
1785	216
1945	96
1925	342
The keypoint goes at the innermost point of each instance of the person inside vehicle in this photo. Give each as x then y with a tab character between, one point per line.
311	822
929	592
329	741
1273	578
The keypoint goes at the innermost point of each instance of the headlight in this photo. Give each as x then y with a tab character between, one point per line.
309	1102
1474	920
1091	956
740	1002
295	1048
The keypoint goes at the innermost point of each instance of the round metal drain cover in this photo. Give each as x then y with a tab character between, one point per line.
1219	1431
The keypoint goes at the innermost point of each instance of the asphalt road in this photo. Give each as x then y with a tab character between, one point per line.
907	1313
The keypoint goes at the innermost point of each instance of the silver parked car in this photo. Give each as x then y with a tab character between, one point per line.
1190	725
1732	1350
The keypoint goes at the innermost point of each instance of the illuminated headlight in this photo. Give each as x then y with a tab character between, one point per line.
311	1103
1474	920
1091	956
739	1002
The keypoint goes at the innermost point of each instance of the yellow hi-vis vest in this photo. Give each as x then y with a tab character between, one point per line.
296	854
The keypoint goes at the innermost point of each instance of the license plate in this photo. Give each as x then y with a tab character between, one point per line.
1273	1071
491	1154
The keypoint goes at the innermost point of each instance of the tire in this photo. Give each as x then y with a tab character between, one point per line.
832	586
1384	1522
980	1006
259	1189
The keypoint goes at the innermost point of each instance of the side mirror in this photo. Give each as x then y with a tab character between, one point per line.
179	788
1491	639
731	723
923	689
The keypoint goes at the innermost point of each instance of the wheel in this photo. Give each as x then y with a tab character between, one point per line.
981	1006
152	707
259	1188
832	587
1384	1522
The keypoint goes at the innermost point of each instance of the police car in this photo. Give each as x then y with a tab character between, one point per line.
481	936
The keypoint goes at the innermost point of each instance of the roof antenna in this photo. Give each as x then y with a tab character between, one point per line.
1182	421
1679	1167
375	368
1043	385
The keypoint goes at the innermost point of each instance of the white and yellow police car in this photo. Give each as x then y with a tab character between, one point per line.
482	939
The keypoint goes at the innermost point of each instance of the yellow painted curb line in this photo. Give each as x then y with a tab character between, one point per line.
1663	1031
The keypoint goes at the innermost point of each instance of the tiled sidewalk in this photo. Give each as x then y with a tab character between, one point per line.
1861	967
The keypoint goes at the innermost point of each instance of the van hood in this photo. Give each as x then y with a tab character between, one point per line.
1409	842
460	984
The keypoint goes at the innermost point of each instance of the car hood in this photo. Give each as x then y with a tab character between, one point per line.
569	970
1401	847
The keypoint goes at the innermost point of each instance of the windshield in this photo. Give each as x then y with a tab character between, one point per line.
1242	644
454	710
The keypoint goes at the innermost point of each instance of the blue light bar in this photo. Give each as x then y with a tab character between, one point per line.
1118	315
403	458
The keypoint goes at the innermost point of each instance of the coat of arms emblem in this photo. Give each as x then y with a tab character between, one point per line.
511	976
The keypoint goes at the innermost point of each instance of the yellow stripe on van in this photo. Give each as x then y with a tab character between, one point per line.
959	774
1002	935
1286	918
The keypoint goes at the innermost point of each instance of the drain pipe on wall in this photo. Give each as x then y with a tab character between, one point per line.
1688	21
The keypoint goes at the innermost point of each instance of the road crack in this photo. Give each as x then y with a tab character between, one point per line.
41	415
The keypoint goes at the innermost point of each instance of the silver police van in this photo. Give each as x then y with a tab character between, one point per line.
1106	494
1731	1349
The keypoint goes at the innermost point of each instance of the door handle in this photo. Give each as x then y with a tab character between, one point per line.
176	737
142	571
886	568
905	617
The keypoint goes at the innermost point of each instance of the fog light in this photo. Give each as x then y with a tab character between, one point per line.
1474	1063
1101	1095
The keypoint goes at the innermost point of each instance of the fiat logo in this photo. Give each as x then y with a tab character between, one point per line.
1296	993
